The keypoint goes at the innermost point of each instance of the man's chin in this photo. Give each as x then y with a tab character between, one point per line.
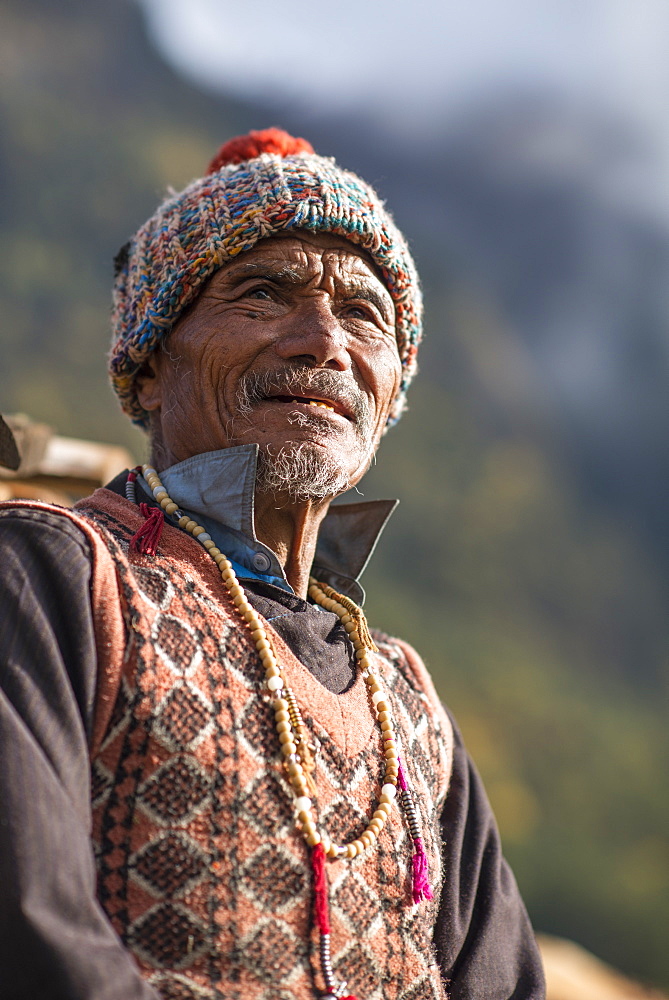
302	469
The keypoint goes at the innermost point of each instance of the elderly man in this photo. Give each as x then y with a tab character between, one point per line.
280	807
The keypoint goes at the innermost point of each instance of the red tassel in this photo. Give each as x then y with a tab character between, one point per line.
320	889
147	538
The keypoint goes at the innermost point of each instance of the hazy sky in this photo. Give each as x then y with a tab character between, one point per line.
415	60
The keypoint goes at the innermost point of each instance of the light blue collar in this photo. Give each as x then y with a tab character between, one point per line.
217	488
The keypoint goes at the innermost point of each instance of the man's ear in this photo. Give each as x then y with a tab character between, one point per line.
149	385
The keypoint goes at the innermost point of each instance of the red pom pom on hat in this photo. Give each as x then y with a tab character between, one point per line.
247	147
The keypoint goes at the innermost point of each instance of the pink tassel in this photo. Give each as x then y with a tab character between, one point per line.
147	538
401	777
421	887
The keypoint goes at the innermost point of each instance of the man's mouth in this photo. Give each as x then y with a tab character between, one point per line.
306	390
324	404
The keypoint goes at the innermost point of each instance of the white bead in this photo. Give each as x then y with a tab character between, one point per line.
275	684
303	803
378	696
158	489
204	537
389	790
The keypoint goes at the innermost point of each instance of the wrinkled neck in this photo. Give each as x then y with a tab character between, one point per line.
290	528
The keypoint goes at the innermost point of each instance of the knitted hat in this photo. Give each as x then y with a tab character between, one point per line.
257	185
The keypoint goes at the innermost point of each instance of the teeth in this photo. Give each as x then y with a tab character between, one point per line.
308	402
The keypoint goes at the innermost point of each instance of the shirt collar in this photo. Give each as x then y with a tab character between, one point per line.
219	486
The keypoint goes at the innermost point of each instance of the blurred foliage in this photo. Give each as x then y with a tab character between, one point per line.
541	619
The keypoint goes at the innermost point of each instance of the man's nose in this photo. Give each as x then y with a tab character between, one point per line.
313	333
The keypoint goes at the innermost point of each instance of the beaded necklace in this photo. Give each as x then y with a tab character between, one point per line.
290	728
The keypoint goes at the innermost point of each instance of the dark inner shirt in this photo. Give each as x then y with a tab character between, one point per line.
315	636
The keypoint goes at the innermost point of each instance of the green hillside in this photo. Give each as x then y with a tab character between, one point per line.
542	619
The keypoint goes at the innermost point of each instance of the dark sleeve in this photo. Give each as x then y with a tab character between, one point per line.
483	936
55	940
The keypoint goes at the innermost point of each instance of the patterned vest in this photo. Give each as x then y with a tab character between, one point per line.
202	871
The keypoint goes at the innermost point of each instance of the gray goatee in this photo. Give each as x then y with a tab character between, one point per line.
302	469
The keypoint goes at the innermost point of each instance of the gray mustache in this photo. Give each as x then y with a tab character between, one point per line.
254	387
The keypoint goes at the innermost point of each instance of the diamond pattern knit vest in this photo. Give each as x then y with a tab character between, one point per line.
202	870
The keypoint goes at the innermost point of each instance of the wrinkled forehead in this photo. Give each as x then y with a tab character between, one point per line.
299	243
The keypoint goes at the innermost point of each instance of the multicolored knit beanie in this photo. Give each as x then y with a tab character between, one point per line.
257	185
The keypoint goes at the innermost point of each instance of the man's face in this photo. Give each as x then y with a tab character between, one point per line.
291	346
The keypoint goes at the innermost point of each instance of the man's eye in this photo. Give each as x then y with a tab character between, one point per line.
358	312
259	293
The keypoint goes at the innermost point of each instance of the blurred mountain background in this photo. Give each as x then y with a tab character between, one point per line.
529	559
